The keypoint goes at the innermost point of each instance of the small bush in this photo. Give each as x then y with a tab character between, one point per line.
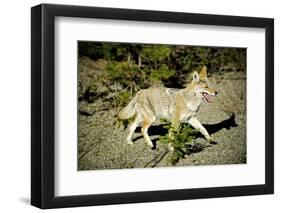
181	140
123	98
161	74
124	73
156	53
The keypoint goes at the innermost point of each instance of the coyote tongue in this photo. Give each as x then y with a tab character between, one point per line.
207	97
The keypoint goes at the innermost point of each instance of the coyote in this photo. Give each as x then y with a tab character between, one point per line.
176	105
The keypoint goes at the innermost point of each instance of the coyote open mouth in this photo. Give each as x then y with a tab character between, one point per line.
207	97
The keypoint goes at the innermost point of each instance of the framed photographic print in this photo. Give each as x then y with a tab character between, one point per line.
141	106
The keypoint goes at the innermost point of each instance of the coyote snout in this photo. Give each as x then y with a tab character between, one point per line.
175	105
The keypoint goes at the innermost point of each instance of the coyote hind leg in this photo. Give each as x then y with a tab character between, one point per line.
145	125
132	129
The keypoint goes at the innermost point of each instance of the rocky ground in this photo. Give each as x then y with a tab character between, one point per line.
102	144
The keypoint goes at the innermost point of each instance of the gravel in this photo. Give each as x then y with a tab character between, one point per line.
102	144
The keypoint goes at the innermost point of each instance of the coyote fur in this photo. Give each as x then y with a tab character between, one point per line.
176	105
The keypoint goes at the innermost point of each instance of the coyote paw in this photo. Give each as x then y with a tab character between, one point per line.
211	140
130	142
150	145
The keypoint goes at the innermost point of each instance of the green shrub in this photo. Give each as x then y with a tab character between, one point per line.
181	140
124	73
123	98
156	53
161	74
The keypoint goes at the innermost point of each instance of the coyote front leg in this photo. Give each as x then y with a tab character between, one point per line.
193	121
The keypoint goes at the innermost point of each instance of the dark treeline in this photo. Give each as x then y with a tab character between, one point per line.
186	58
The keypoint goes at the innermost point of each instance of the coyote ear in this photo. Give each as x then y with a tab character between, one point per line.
203	73
196	77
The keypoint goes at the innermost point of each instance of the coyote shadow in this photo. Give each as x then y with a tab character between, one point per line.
211	128
225	124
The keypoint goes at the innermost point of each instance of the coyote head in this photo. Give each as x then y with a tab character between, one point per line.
201	85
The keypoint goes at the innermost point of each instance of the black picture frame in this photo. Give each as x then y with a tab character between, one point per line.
43	105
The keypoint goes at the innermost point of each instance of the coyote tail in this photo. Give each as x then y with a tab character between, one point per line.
129	111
